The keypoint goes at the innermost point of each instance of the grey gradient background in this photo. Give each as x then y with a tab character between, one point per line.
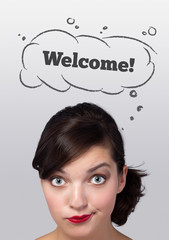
24	111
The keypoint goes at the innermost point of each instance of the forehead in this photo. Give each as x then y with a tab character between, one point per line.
95	156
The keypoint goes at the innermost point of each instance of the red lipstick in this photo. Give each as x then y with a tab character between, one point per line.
80	219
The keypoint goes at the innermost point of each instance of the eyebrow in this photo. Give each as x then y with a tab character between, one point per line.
98	166
91	169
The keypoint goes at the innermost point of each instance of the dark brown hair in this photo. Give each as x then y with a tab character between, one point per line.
70	133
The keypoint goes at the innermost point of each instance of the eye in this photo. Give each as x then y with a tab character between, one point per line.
98	179
58	181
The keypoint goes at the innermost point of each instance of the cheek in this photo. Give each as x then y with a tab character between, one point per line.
104	199
55	202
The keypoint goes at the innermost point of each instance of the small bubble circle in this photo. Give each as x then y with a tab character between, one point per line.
139	108
152	31
76	27
70	20
131	118
144	33
133	93
105	27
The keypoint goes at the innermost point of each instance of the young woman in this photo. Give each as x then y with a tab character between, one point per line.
86	183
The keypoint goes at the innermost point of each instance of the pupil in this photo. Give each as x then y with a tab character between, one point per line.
98	179
58	180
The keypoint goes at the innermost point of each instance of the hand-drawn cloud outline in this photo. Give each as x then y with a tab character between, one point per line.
70	84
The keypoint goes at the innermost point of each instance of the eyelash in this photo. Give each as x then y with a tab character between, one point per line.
61	178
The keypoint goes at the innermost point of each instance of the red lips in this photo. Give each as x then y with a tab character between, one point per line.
79	219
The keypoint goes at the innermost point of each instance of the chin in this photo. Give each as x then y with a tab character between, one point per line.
79	230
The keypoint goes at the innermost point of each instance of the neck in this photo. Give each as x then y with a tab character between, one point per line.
108	233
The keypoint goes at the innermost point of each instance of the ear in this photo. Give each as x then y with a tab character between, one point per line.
122	179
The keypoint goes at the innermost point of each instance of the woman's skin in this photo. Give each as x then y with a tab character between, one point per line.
88	186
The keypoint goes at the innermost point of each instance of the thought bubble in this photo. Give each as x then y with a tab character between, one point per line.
59	60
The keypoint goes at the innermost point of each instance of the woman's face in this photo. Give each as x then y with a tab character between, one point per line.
81	196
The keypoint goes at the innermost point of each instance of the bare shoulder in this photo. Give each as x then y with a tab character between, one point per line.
121	236
49	236
124	237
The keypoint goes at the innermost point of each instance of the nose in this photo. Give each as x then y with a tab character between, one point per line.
78	197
